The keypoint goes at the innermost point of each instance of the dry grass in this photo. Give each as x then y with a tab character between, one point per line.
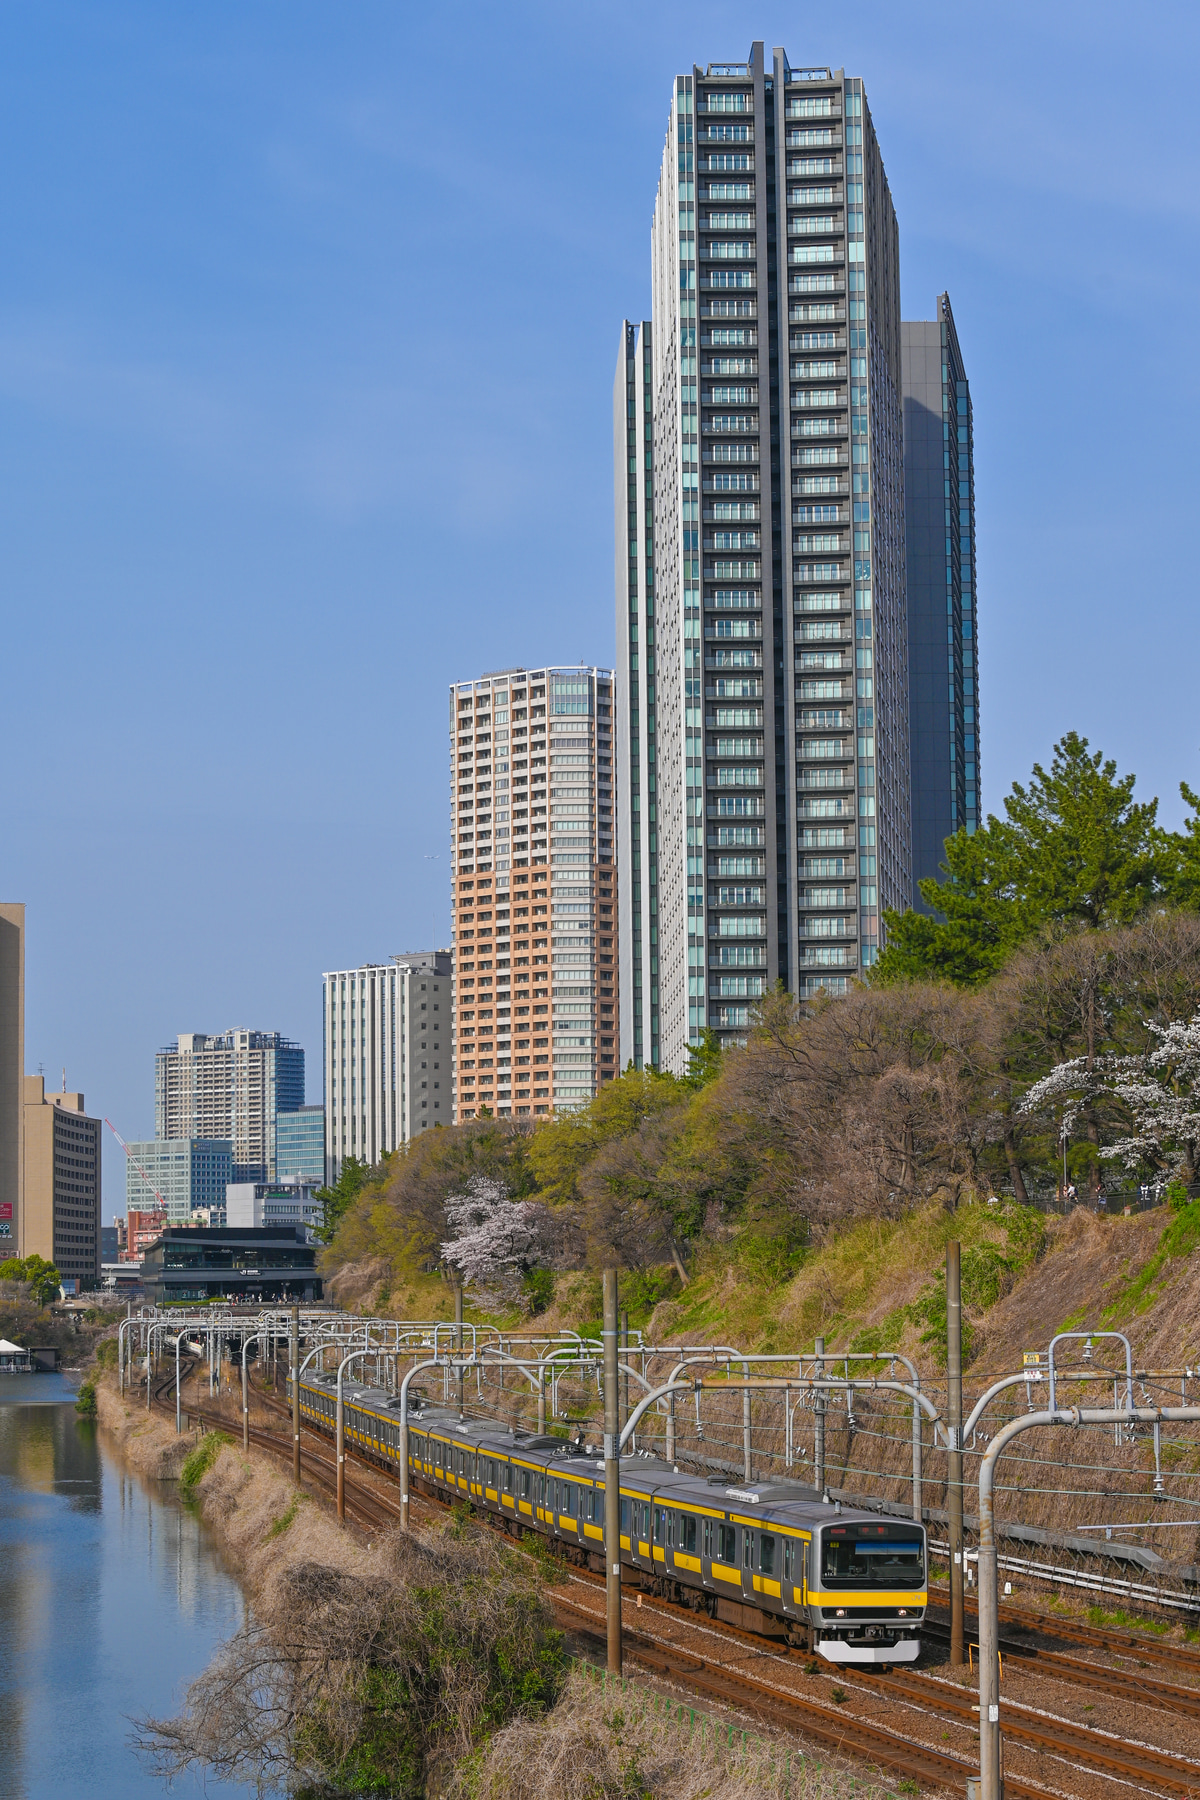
634	1741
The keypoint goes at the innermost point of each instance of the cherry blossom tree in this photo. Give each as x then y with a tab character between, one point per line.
496	1240
1154	1097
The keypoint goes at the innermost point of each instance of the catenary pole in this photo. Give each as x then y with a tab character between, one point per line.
819	1420
954	1493
612	1474
294	1360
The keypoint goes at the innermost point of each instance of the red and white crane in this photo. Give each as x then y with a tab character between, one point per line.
130	1157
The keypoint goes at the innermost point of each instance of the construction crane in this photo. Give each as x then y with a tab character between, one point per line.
130	1157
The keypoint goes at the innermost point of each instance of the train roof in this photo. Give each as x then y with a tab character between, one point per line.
715	1493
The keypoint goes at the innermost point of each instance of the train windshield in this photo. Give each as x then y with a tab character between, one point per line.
871	1556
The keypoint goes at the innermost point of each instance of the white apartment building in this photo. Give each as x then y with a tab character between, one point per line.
385	1034
533	890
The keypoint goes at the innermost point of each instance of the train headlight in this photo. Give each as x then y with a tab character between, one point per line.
840	1613
902	1613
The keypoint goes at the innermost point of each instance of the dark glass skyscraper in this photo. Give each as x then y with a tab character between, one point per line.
943	643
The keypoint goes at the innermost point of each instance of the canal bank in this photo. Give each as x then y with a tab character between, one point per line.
112	1599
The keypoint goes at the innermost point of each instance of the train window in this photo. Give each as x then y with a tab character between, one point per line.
659	1525
766	1553
687	1534
708	1537
789	1556
572	1500
508	1478
672	1528
747	1548
727	1543
624	1513
872	1556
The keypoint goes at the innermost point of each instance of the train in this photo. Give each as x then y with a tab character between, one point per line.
770	1557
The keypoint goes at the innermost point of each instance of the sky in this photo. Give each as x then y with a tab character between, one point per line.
308	323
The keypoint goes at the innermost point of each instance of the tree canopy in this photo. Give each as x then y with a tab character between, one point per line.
1074	847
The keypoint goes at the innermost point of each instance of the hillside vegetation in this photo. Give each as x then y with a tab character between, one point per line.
1042	1033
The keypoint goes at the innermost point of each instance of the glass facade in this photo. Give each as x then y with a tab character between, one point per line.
230	1085
939	481
300	1144
187	1172
761	617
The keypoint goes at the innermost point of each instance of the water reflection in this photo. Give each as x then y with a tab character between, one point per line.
111	1601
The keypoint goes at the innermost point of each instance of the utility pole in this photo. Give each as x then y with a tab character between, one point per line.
612	1474
819	1422
954	1471
294	1358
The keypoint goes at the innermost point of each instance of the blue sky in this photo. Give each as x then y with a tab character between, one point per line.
308	318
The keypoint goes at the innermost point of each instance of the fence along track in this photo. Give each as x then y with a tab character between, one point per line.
1139	1591
1116	1639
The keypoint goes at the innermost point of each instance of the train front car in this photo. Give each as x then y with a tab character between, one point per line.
867	1590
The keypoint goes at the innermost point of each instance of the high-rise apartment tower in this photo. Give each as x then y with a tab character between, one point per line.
533	878
943	631
229	1085
761	626
386	1036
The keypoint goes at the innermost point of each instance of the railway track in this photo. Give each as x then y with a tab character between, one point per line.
1119	1684
1117	1640
1082	1747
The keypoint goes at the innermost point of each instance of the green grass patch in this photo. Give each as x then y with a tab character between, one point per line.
201	1461
1178	1240
1126	1621
280	1525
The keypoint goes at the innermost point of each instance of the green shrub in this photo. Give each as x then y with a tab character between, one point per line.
85	1404
538	1288
106	1353
201	1461
1176	1196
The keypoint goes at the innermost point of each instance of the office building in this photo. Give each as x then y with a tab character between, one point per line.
250	1264
300	1144
109	1244
761	622
943	633
60	1212
180	1174
532	890
230	1085
386	1036
12	1070
273	1203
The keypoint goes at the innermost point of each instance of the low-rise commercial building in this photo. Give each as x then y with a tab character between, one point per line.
143	1227
254	1264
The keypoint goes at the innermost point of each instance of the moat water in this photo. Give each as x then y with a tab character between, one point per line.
112	1599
